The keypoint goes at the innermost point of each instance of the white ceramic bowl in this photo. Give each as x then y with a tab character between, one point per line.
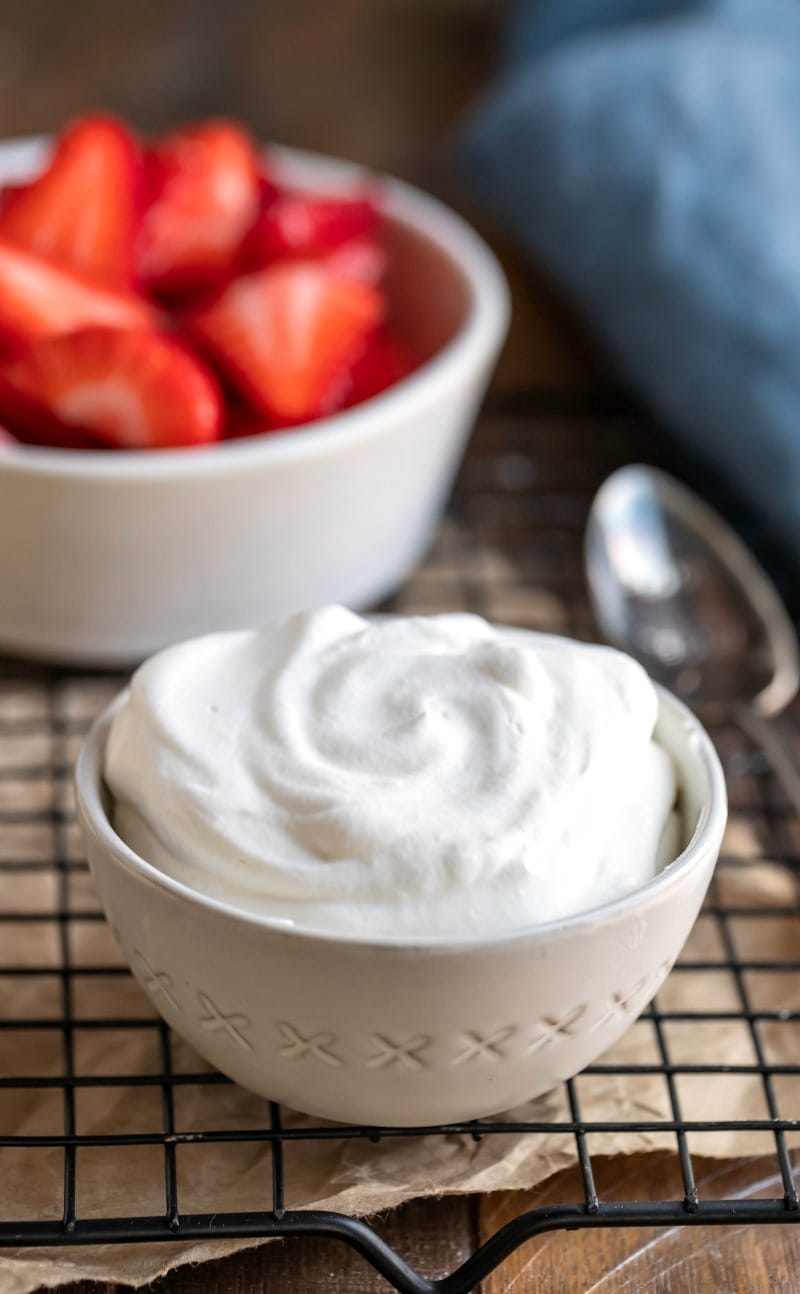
391	1032
106	557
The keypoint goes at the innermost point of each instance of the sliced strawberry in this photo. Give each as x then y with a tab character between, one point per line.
131	389
82	211
37	298
204	194
33	424
363	259
344	232
300	224
383	362
9	194
242	420
268	191
288	335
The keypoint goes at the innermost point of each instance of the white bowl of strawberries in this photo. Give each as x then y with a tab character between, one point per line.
232	384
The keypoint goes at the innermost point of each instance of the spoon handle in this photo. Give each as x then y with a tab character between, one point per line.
777	739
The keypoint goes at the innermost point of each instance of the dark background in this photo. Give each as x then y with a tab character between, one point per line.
380	81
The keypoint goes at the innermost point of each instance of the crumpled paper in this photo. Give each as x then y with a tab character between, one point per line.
352	1176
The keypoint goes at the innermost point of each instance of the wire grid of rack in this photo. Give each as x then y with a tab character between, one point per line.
524	491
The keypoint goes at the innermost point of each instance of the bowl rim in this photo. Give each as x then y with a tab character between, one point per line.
706	836
476	339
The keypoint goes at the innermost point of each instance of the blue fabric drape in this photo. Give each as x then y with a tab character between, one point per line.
649	154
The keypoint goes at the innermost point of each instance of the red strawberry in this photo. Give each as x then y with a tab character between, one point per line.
9	194
204	194
288	335
299	224
268	191
131	389
242	420
37	298
33	424
82	211
362	258
383	362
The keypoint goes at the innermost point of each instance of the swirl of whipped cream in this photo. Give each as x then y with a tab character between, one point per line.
405	777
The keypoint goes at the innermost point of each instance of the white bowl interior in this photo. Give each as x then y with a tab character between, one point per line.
429	295
680	739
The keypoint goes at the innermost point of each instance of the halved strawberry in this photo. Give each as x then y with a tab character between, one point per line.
242	420
302	224
131	389
204	194
363	259
268	191
38	298
9	194
383	362
32	424
82	210
287	336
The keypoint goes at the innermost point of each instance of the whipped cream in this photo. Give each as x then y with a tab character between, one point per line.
403	777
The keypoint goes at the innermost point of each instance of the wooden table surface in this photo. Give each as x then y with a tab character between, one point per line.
435	1236
383	82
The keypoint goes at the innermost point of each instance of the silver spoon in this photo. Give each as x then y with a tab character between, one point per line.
672	584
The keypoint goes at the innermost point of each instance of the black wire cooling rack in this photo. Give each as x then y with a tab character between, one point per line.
522	499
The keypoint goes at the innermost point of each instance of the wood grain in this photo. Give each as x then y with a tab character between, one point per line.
725	1260
435	1236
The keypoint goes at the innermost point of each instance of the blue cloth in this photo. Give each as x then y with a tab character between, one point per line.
648	153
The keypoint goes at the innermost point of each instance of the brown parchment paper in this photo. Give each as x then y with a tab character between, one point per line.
357	1177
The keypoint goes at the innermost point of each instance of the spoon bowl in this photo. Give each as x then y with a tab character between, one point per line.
672	584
